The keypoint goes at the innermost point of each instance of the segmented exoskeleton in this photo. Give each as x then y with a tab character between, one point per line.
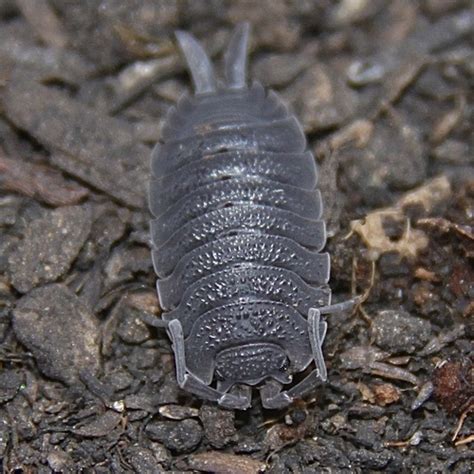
237	238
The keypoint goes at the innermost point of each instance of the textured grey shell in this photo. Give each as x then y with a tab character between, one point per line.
237	219
237	237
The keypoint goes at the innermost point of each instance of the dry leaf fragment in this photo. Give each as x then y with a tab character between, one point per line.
385	394
372	231
373	234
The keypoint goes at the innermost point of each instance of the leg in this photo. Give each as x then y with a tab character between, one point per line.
192	384
340	307
317	332
271	394
152	320
273	398
242	391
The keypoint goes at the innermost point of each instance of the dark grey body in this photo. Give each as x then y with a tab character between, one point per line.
237	238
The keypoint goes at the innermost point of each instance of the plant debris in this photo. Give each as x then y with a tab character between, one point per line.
215	461
372	229
454	385
40	182
372	232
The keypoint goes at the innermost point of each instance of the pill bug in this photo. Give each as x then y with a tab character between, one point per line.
237	238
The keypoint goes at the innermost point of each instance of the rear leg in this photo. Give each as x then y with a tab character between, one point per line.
317	332
190	383
341	307
271	394
273	398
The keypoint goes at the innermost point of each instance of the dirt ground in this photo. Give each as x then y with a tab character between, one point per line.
384	91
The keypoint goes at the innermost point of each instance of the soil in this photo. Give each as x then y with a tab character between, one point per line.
384	91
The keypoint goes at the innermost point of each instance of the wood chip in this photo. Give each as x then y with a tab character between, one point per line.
223	463
99	427
100	150
40	182
43	20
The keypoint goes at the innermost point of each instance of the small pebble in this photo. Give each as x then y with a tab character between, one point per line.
132	329
178	436
49	246
423	395
60	331
219	429
10	382
60	461
369	459
398	332
141	459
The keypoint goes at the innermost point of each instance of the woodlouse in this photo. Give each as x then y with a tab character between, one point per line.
237	238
